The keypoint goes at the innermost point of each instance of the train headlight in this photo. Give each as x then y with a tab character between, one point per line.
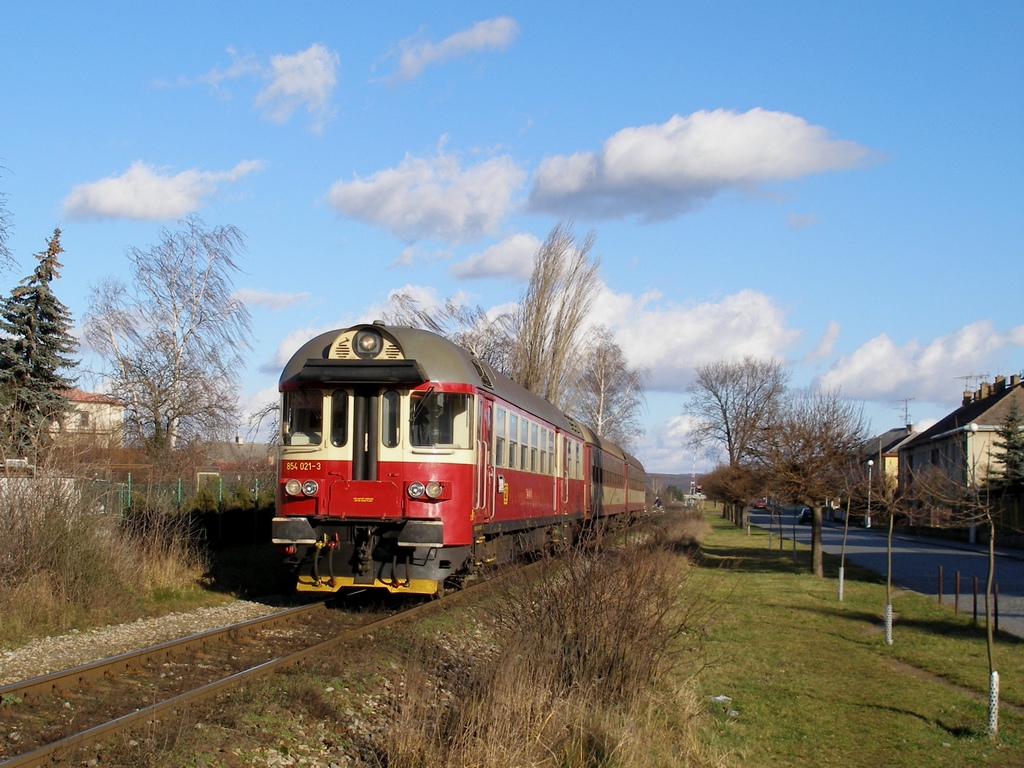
368	344
310	487
293	487
416	490
433	489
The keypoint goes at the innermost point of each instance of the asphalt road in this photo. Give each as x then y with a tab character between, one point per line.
916	561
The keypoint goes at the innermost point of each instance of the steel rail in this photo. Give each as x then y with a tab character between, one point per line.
57	682
46	755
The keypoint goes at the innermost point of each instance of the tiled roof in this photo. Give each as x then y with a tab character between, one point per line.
76	395
988	411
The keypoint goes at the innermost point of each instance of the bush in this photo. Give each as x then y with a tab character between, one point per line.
585	674
64	562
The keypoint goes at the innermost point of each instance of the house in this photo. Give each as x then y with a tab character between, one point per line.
883	450
961	444
94	418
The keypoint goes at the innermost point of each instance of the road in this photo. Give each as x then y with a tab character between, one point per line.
916	561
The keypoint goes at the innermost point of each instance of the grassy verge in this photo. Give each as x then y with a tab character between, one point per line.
812	682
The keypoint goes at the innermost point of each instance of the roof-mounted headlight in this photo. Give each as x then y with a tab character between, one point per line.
368	344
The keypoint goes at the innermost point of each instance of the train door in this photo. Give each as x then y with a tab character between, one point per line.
484	477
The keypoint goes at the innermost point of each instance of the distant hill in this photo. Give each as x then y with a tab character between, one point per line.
682	482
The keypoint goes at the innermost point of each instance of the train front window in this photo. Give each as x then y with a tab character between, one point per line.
390	403
339	417
440	420
303	417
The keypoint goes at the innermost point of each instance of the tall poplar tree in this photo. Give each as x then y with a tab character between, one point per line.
35	344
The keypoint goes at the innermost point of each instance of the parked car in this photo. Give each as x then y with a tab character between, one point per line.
760	504
804	515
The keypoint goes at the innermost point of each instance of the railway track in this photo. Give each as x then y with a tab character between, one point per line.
49	718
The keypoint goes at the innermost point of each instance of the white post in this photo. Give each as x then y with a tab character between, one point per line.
841	569
993	704
888	624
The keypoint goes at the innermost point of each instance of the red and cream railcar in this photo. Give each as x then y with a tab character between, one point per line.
405	462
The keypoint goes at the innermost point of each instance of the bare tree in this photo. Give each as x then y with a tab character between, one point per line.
548	324
733	404
488	337
540	343
610	394
173	344
806	453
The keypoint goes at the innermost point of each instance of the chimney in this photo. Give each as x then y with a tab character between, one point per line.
238	439
1000	383
967	398
986	390
1014	380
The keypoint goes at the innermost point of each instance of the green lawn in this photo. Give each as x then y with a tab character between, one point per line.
813	683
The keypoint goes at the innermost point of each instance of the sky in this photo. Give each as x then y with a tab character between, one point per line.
836	186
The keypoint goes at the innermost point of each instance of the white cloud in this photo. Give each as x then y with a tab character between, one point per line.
305	79
495	34
826	343
882	370
143	192
275	301
240	67
512	257
432	197
662	171
670	339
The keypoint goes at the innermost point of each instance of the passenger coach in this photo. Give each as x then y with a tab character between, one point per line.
406	462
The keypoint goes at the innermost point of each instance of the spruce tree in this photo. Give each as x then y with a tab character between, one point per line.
35	341
1009	449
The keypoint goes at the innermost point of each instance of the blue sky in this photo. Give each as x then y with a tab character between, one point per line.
841	188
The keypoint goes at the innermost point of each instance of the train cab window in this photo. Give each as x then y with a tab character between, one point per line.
390	404
499	439
303	417
513	437
339	417
440	420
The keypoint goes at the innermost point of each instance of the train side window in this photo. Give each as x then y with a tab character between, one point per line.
303	417
534	439
441	419
524	444
339	417
390	419
551	453
499	439
513	436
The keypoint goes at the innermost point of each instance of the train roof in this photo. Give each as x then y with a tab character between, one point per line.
409	356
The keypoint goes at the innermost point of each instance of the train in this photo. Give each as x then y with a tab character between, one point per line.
407	464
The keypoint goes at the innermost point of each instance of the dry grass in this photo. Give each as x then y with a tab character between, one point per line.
65	564
586	674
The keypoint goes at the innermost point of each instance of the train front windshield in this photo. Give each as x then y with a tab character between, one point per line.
435	419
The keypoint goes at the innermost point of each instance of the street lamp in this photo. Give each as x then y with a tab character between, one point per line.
867	518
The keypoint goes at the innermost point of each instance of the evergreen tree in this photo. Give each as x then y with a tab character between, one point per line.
34	347
1009	450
